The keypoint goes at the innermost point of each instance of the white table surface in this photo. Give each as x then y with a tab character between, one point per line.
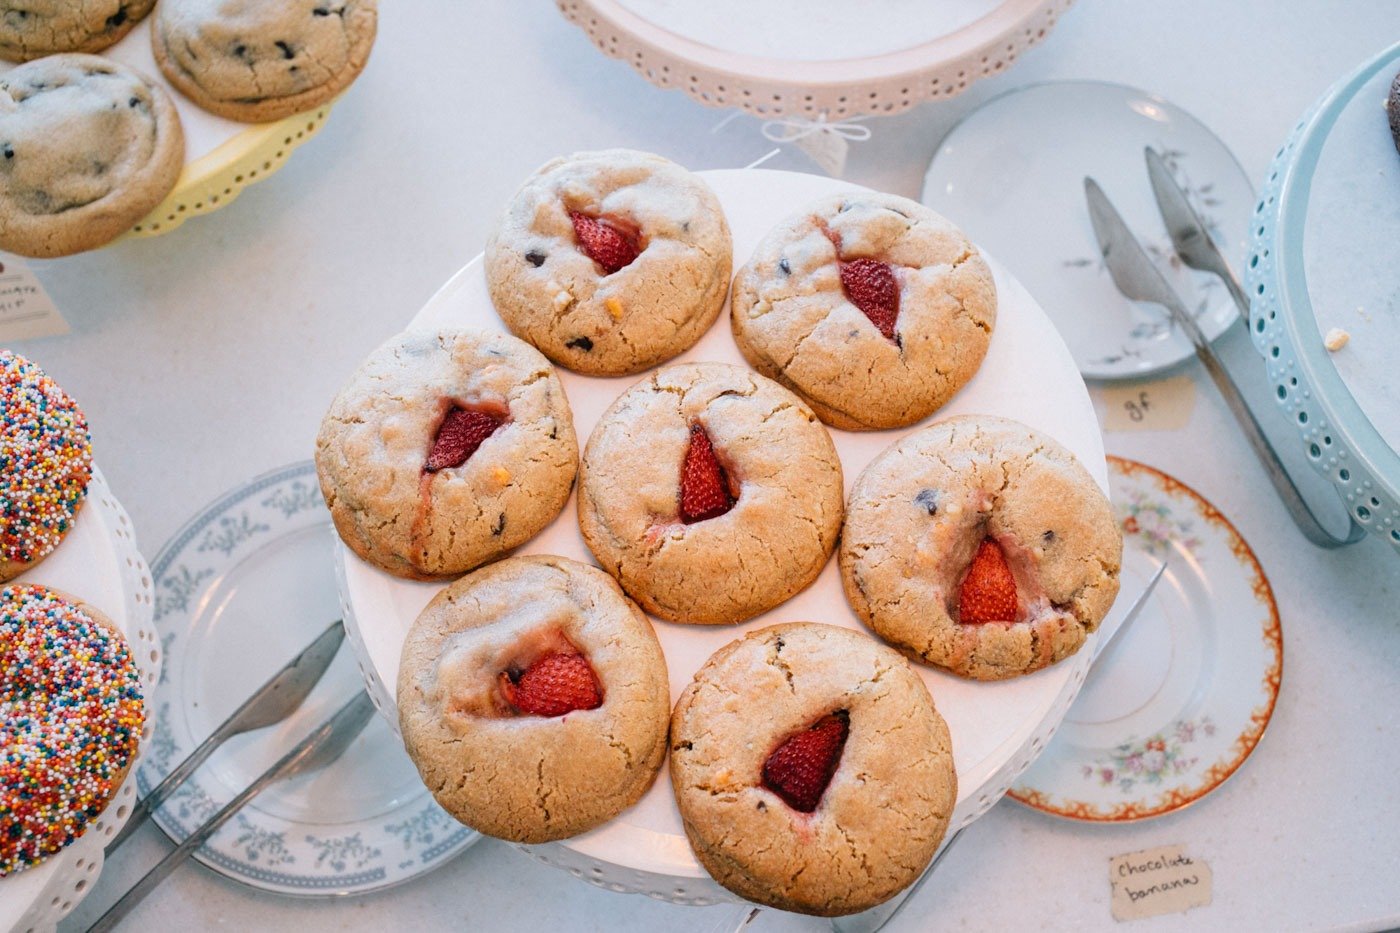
209	355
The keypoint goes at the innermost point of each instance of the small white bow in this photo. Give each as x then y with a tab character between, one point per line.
791	129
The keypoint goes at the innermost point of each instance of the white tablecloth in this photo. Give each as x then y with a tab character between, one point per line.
209	355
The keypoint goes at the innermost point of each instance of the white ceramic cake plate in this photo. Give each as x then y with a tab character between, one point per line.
1012	173
1191	686
243	587
997	728
97	562
222	157
807	58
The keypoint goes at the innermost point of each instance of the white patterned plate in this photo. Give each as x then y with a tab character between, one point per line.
99	563
1012	173
240	590
1188	692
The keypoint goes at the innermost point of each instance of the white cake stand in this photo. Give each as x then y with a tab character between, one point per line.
815	57
97	562
997	728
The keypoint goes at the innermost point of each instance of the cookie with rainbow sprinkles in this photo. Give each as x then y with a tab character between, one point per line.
71	711
45	464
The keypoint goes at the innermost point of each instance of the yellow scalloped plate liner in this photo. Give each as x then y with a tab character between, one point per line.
215	179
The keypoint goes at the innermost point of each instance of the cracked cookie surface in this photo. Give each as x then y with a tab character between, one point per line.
886	806
396	501
512	775
87	148
796	320
31	29
552	293
922	509
781	469
262	60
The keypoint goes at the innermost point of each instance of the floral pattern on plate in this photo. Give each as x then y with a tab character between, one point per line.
1162	756
267	849
1150	522
1163	762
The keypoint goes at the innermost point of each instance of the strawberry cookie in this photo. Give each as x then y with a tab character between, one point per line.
711	493
445	451
870	306
811	769
610	262
981	546
533	698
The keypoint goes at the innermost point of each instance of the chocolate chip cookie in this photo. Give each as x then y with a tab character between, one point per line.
534	700
981	546
262	60
445	451
610	262
811	769
711	493
87	148
31	29
871	307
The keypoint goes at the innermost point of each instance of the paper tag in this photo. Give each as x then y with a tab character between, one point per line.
827	149
26	311
1161	405
1157	881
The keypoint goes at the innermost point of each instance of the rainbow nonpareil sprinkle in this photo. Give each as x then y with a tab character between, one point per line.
71	713
45	462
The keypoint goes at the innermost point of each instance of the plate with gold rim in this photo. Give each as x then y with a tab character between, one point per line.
1187	694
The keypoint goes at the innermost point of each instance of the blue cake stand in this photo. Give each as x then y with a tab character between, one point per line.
1323	257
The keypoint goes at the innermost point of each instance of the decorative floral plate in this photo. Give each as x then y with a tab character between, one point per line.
239	590
1184	696
1012	174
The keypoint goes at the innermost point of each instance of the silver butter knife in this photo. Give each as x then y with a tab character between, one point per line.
275	701
1138	279
1190	237
875	918
323	746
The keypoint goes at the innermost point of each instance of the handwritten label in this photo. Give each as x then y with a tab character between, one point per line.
26	311
1160	405
1157	881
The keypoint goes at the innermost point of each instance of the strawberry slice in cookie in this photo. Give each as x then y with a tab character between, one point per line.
705	491
811	769
988	591
872	287
458	437
800	769
552	686
610	243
